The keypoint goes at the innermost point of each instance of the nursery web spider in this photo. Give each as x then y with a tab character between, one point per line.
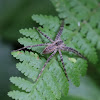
54	46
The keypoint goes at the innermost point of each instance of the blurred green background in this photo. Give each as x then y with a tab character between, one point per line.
16	14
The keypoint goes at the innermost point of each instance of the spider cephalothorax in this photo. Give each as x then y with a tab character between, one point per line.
58	44
53	47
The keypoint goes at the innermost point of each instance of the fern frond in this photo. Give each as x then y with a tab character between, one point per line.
73	71
95	21
52	83
22	83
79	16
29	59
27	41
50	78
82	64
48	21
90	4
27	70
89	50
17	95
75	40
32	33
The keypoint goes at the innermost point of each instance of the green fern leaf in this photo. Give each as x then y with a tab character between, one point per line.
32	33
79	16
52	23
82	64
29	68
22	83
17	95
27	41
52	83
89	50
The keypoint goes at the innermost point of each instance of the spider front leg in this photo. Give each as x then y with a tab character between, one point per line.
63	64
32	46
74	51
60	30
44	35
46	63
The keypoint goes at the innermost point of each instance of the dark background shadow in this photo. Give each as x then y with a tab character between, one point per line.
14	15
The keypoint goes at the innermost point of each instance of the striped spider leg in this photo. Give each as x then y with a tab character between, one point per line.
45	44
53	47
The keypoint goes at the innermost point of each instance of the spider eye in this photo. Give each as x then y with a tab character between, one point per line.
58	43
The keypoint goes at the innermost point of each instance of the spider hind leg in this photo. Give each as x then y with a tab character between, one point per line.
46	64
63	64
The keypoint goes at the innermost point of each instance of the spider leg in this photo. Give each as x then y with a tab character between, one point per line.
74	51
32	46
44	34
60	30
63	64
46	63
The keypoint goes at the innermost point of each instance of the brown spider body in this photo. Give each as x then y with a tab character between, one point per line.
56	45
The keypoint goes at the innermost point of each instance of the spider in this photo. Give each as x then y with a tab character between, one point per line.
53	47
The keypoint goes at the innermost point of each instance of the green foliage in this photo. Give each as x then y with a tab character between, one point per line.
48	86
78	33
83	17
19	82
